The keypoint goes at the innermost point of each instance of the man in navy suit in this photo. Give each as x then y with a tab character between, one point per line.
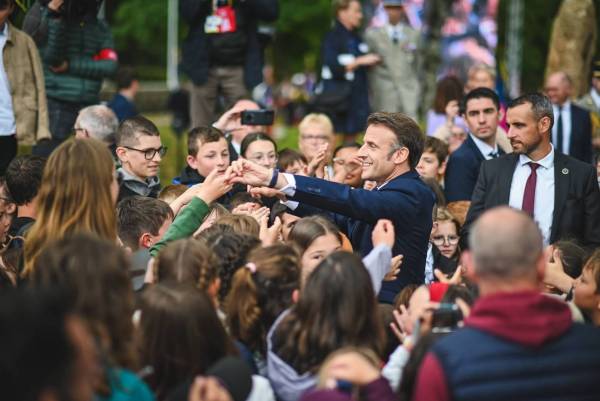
572	130
393	144
481	111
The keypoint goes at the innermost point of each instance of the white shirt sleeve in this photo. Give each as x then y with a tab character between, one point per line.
392	370
290	188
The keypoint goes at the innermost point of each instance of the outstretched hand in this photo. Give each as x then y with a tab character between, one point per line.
215	185
246	172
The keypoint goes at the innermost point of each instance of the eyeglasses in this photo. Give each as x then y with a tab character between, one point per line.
150	153
319	138
439	240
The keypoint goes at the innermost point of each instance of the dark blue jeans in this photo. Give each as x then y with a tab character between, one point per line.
62	116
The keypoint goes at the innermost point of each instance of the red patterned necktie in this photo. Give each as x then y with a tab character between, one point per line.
529	195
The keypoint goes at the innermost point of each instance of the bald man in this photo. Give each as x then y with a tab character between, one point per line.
517	343
572	131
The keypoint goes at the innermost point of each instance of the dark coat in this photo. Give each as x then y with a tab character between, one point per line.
576	197
462	171
581	134
406	200
337	42
196	47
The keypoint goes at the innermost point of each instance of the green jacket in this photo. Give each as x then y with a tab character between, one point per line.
87	46
185	224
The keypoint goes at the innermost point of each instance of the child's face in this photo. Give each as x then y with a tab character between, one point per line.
585	293
429	166
134	157
210	156
298	167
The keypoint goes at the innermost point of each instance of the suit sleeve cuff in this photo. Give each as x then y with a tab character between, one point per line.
290	189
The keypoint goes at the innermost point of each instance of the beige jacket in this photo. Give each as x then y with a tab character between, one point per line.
26	77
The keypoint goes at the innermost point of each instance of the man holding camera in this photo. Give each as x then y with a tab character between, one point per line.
222	51
77	53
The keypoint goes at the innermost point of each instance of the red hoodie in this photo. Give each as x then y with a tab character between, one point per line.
528	318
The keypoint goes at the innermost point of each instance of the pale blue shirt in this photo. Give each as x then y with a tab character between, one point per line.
543	208
566	126
7	117
485	149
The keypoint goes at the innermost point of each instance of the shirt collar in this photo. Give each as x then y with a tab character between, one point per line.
547	162
566	106
4	31
483	147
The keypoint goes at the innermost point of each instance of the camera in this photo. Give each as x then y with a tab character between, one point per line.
446	318
258	117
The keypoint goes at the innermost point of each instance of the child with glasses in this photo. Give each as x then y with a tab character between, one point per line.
140	152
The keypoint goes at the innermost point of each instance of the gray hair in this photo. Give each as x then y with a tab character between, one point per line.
506	244
100	122
540	105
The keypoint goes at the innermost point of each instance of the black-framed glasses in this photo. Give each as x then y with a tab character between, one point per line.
150	153
439	240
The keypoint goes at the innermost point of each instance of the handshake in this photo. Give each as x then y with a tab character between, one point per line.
242	171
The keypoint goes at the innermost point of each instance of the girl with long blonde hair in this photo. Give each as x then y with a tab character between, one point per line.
77	195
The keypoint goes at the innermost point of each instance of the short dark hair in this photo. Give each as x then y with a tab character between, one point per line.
287	157
24	177
408	134
436	146
133	127
355	145
202	135
253	137
540	105
125	77
137	215
479	93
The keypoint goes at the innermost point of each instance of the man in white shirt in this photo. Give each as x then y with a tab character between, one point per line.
572	130
558	191
394	82
8	128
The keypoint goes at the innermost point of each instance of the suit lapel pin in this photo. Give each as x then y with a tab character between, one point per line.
565	171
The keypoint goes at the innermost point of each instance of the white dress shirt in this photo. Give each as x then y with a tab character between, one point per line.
485	149
543	209
7	116
429	276
566	126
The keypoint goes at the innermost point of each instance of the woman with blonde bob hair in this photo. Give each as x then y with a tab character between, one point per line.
78	195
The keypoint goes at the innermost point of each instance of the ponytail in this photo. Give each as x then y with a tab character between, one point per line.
242	310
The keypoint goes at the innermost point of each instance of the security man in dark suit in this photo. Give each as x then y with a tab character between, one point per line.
393	144
572	130
481	111
560	192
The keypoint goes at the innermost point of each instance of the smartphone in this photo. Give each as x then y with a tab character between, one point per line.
258	117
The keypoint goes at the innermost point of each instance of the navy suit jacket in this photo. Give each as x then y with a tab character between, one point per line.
581	134
406	200
462	171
